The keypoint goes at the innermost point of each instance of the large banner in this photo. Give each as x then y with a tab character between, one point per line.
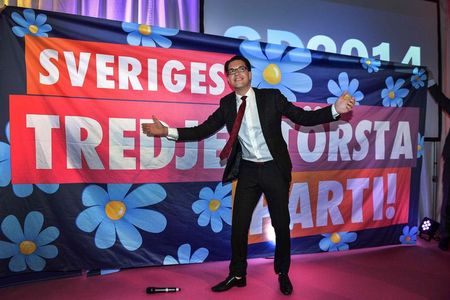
83	189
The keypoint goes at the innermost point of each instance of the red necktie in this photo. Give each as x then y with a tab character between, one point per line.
234	131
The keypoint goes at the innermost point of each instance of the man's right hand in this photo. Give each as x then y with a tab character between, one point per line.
154	129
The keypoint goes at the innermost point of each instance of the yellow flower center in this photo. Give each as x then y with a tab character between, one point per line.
417	78
33	28
347	97
27	247
115	210
419	147
272	74
368	62
408	238
335	238
391	95
214	205
145	29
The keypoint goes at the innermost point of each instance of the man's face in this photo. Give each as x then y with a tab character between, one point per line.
238	76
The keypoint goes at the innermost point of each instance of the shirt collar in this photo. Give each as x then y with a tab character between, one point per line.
250	94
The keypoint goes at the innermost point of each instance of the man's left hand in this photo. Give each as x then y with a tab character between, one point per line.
344	103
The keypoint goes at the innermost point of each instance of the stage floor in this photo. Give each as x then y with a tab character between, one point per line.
394	272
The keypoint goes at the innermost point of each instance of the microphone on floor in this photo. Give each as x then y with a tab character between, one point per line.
154	290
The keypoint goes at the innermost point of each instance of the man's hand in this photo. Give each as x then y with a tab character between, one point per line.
344	103
155	128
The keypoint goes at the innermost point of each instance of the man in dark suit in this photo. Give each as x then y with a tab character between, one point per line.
260	161
444	103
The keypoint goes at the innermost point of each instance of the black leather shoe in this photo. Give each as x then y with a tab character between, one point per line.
228	283
285	284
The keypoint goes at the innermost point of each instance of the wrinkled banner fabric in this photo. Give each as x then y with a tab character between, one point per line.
83	189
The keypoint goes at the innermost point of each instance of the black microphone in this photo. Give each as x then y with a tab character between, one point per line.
154	290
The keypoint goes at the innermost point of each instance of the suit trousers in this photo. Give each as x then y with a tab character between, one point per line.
253	180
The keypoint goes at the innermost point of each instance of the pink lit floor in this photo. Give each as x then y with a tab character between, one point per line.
394	272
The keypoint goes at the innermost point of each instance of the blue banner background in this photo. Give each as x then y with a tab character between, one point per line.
67	249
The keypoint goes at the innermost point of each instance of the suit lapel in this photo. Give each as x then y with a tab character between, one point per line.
260	106
232	111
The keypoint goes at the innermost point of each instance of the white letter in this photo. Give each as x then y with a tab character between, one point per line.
125	73
300	196
339	144
53	72
43	125
180	79
148	159
324	205
190	157
197	78
402	142
77	76
377	198
214	74
302	143
118	143
361	139
75	146
357	186
380	127
152	74
103	71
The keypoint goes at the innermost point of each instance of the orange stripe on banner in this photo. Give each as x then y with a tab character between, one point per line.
340	201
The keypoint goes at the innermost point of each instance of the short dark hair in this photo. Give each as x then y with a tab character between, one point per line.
238	57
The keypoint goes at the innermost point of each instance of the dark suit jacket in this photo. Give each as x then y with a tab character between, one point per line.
444	103
272	105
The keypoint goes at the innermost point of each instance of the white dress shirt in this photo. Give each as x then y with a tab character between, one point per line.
254	146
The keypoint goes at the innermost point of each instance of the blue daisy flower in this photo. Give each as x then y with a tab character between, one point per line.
214	206
393	94
29	247
20	190
5	160
418	78
30	25
409	236
337	241
337	89
420	145
114	211
148	35
184	256
370	64
270	69
25	190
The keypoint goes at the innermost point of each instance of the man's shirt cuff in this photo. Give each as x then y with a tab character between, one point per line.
334	112
172	133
